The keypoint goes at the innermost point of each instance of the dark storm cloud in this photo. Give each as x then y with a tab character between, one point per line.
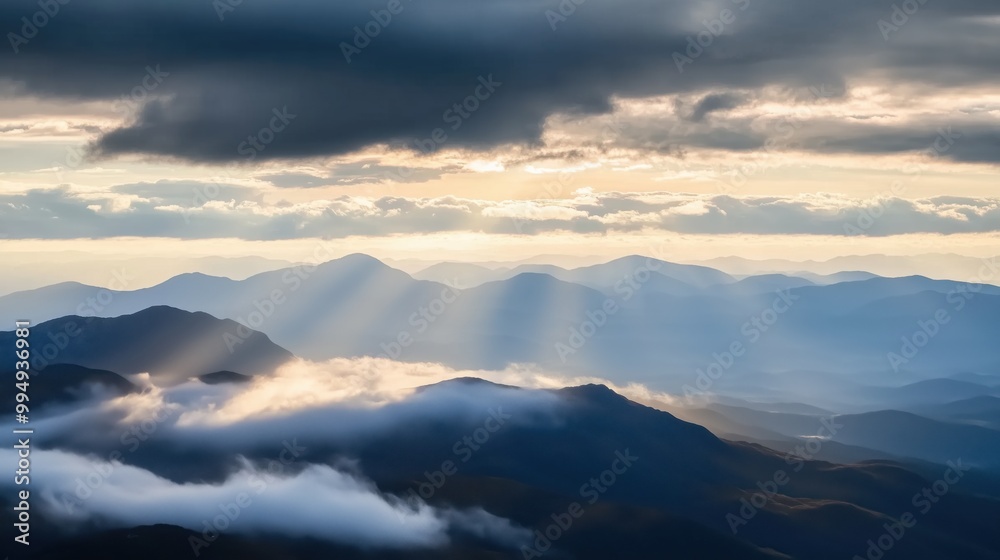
965	137
197	84
715	102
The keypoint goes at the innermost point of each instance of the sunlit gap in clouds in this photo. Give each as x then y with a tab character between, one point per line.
351	384
330	399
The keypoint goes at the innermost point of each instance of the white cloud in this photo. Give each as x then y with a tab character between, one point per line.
531	210
187	210
318	501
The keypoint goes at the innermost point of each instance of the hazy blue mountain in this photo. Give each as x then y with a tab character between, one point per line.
983	410
537	268
610	273
727	428
850	295
786	424
789	407
192	291
754	285
678	279
836	452
929	392
665	327
467	274
54	301
979	378
946	265
909	435
835	278
900	434
516	320
859	393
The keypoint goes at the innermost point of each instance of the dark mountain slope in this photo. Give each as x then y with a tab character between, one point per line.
168	343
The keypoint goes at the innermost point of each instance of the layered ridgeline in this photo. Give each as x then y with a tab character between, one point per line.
637	318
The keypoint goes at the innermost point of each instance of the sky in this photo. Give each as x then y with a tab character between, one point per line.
500	129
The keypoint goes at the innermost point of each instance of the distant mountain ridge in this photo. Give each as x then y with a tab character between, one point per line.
600	276
639	317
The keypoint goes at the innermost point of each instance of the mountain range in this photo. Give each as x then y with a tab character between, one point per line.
750	475
643	319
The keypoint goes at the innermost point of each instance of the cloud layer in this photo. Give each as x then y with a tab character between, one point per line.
184	210
261	455
319	501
